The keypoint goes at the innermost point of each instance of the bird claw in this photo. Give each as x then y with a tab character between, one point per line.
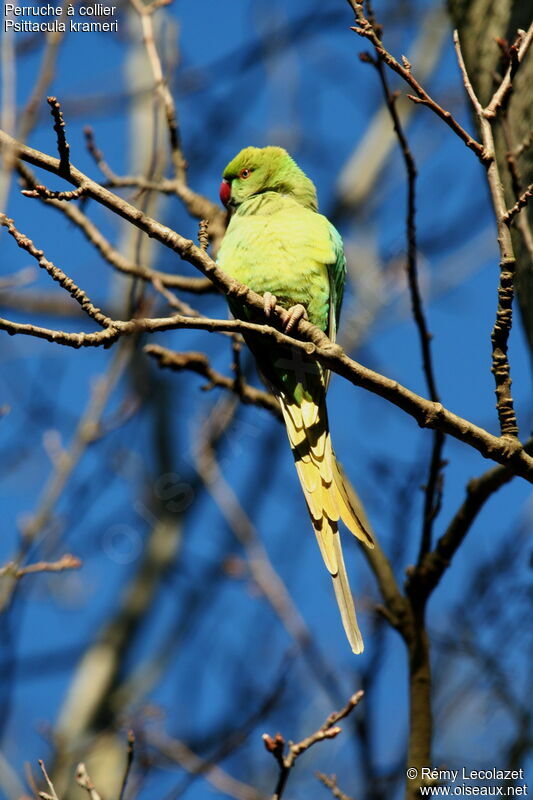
270	302
294	315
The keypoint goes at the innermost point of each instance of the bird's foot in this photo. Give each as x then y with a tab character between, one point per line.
270	302
294	315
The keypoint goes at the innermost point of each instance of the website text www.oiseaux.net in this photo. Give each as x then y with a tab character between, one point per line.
473	783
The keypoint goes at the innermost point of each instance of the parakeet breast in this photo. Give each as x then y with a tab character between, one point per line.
274	244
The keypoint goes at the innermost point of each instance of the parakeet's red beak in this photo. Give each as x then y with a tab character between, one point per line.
225	192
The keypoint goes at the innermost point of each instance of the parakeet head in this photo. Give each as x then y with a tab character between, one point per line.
256	170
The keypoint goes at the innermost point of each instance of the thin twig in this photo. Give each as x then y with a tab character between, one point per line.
486	154
86	432
63	147
330	781
129	761
512	157
478	492
83	779
203	234
56	273
49	783
98	156
65	562
196	204
520	203
328	730
174	302
518	52
239	383
43	192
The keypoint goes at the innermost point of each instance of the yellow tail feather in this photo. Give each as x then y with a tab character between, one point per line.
329	497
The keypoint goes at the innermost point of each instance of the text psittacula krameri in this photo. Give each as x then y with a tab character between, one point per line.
281	247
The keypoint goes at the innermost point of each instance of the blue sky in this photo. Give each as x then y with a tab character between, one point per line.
238	84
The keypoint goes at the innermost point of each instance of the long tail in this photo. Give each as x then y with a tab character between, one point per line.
329	497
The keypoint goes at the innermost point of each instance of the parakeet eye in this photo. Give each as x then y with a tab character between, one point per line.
245	173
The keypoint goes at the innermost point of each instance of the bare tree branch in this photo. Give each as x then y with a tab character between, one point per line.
520	203
56	273
65	562
504	315
199	363
83	779
478	491
518	51
364	28
330	781
329	730
109	253
129	761
59	127
44	795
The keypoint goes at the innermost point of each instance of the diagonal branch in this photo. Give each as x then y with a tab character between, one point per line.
65	562
522	201
109	253
328	730
130	754
518	51
428	415
51	789
56	273
196	204
199	363
365	29
478	492
83	779
330	781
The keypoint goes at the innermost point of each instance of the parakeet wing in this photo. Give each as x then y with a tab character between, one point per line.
337	277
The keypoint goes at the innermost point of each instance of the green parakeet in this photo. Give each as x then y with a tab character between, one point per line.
281	247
